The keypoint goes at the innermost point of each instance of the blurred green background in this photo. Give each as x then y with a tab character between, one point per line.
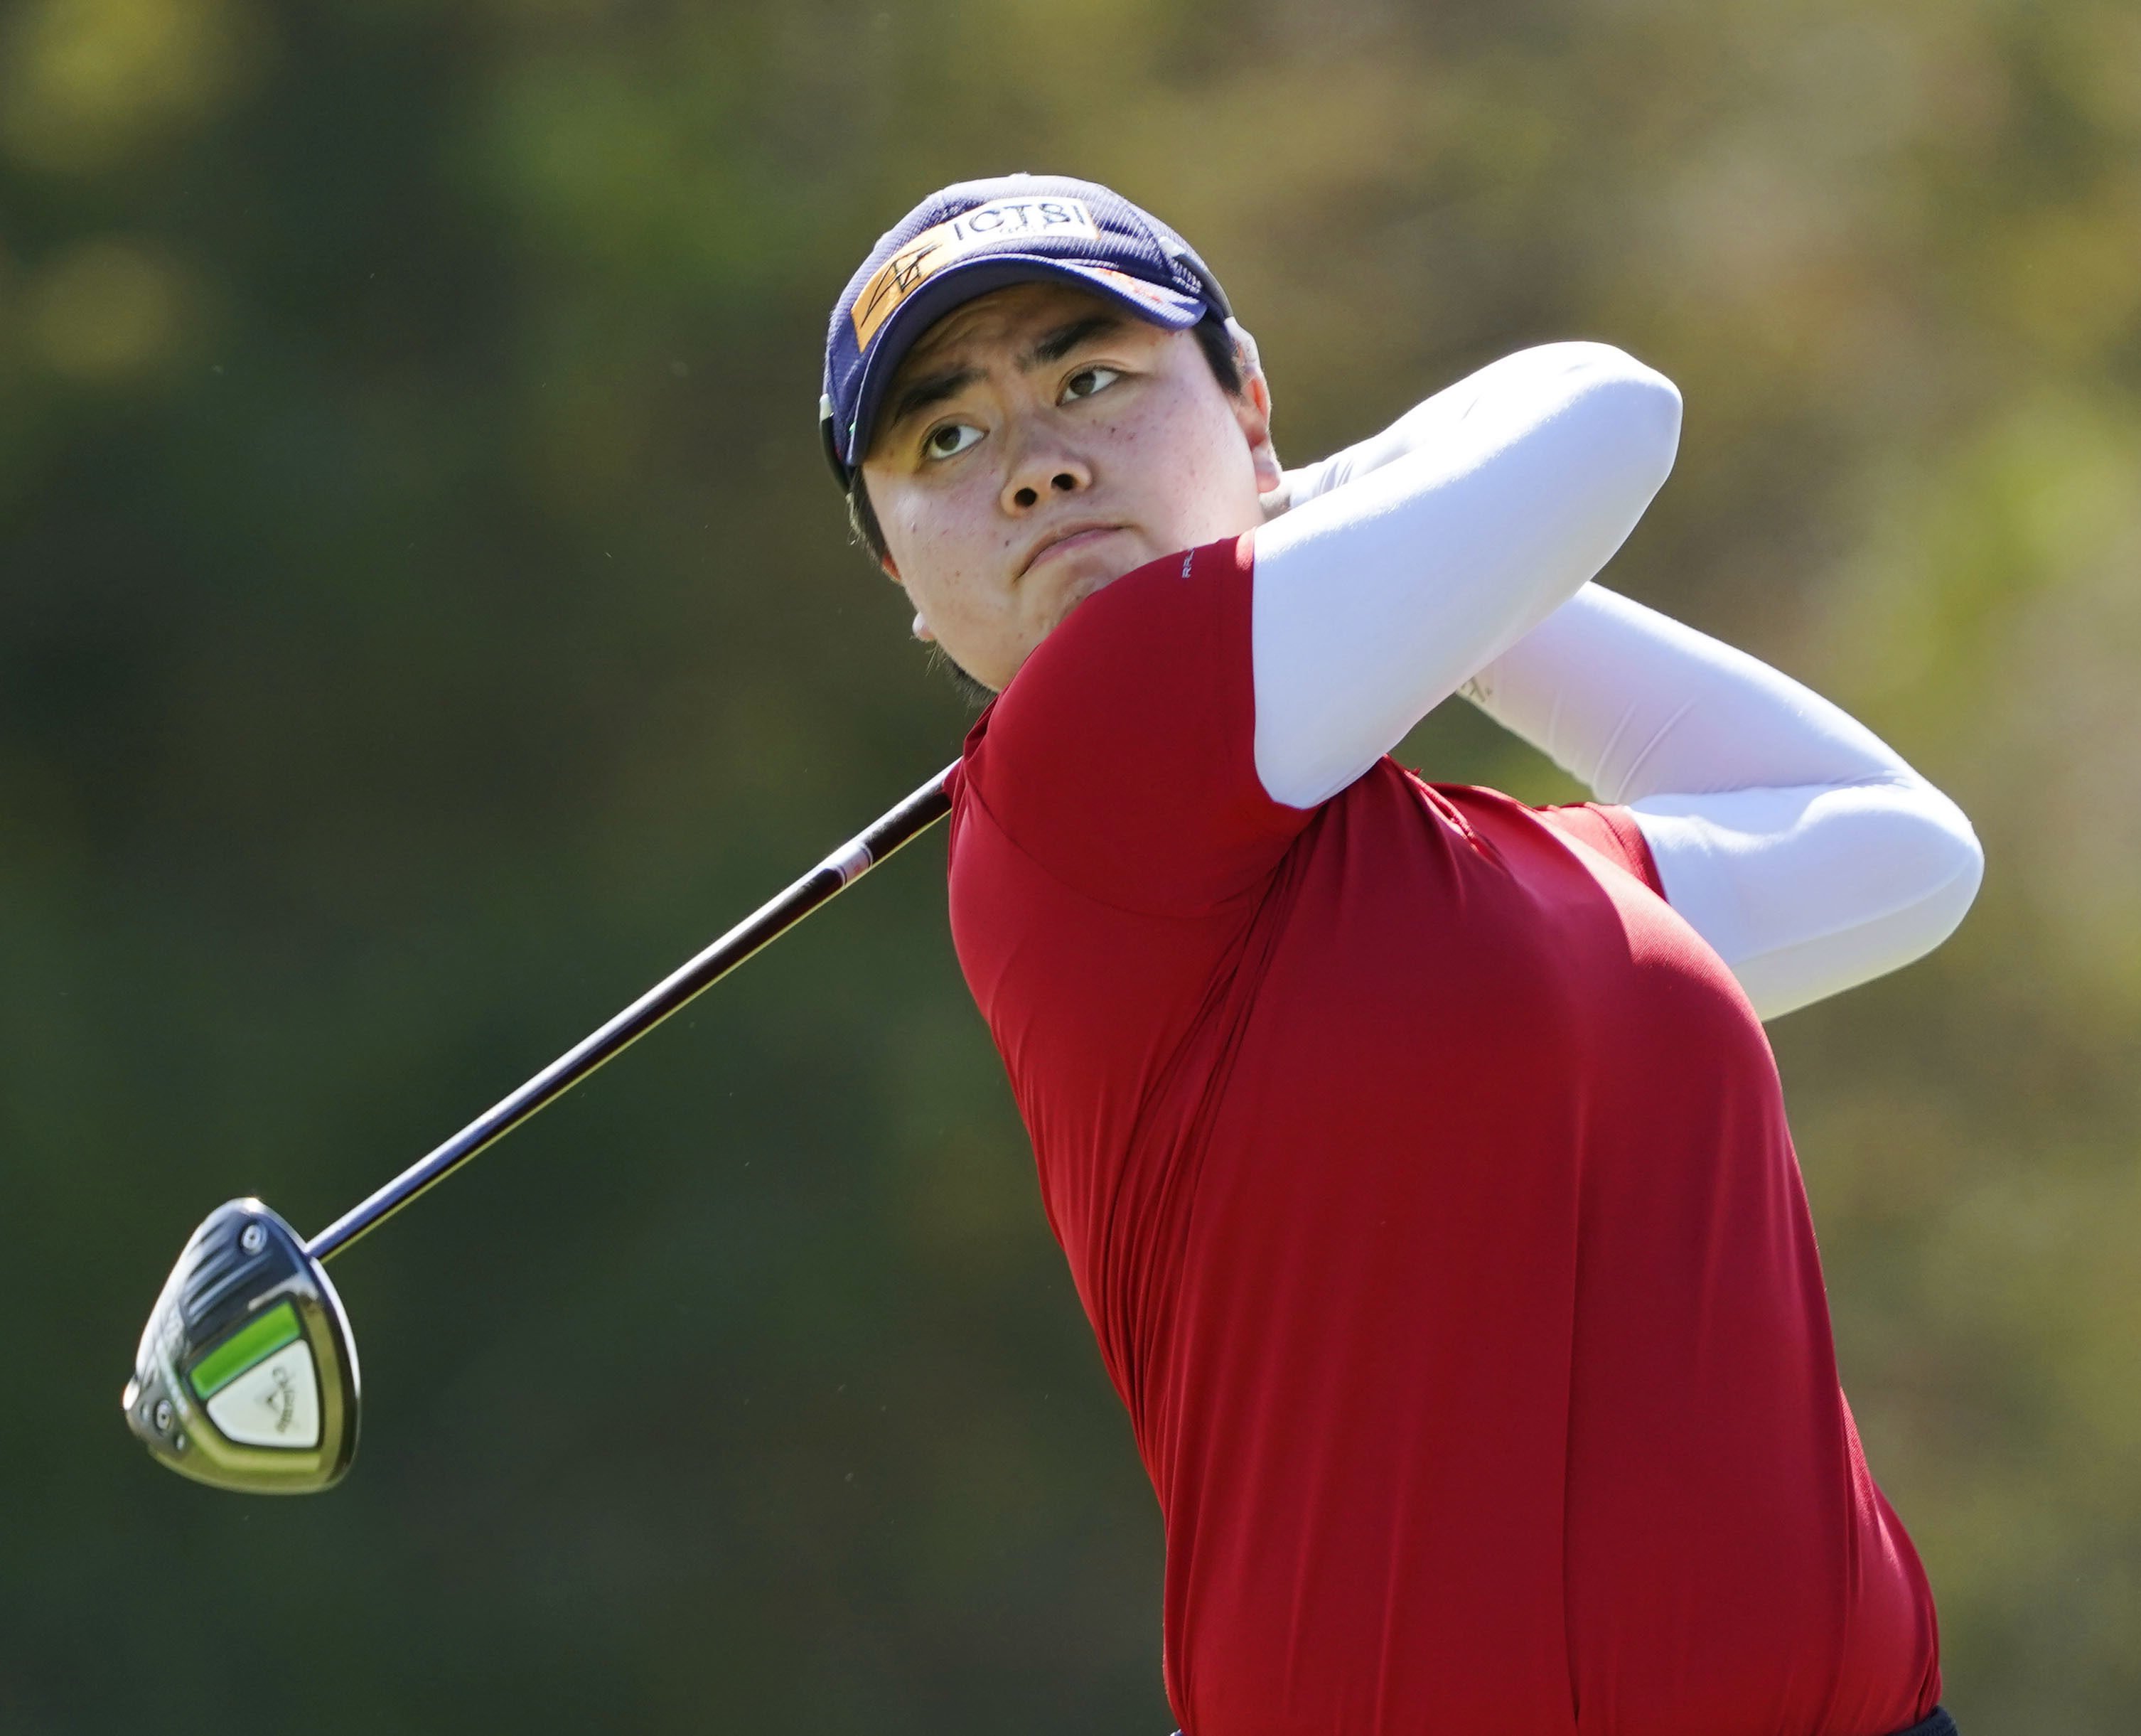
425	618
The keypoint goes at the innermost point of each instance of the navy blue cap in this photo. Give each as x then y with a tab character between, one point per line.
977	236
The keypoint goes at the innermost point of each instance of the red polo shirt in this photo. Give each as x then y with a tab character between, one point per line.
1426	1180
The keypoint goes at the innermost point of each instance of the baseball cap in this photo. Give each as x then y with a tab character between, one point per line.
973	237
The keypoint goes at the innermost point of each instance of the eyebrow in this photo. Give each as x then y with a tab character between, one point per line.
917	395
1055	346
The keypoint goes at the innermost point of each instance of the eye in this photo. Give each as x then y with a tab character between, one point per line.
949	440
1088	381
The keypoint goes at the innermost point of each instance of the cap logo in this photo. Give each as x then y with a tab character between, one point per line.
998	221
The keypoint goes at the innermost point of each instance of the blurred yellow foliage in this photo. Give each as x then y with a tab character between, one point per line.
105	311
87	83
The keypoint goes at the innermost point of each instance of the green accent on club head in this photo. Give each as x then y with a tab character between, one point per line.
244	1347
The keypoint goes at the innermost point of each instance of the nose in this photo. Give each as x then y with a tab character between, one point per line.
1044	469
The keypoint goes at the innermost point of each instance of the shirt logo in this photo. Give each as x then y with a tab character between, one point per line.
998	221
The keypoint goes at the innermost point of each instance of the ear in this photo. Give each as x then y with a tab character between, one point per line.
1252	412
922	630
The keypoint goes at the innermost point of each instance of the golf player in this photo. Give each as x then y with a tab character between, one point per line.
1419	1155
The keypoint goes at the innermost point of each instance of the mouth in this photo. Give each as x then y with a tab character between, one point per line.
1064	540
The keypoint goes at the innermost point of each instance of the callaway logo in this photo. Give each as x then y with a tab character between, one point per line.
999	220
280	1398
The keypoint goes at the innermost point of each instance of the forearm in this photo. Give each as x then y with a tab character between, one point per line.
1635	704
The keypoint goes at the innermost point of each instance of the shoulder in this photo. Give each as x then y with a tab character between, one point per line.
1174	616
1120	757
1145	671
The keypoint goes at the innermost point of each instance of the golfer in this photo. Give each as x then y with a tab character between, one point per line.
1418	1154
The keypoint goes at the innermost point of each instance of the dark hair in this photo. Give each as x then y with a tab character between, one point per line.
1213	338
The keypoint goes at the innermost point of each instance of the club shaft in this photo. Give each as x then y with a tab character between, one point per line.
768	922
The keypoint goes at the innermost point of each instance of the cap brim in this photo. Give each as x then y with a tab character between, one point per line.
971	278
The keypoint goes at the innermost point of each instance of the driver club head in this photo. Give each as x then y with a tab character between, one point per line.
246	1376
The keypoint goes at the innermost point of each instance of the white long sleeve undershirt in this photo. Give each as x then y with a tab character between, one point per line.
1452	550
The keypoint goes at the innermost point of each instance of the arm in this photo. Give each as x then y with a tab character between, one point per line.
1407	564
1790	837
1797	844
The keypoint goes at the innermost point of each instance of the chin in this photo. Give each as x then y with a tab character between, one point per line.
1096	573
1078	588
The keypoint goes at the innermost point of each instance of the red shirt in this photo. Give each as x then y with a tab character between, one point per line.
1426	1180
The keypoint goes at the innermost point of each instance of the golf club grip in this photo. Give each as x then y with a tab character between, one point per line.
846	865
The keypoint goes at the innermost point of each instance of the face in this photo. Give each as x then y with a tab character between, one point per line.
1037	443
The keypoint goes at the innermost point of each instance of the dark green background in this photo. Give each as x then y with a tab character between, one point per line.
424	619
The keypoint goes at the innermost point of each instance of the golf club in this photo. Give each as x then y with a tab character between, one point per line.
246	1374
